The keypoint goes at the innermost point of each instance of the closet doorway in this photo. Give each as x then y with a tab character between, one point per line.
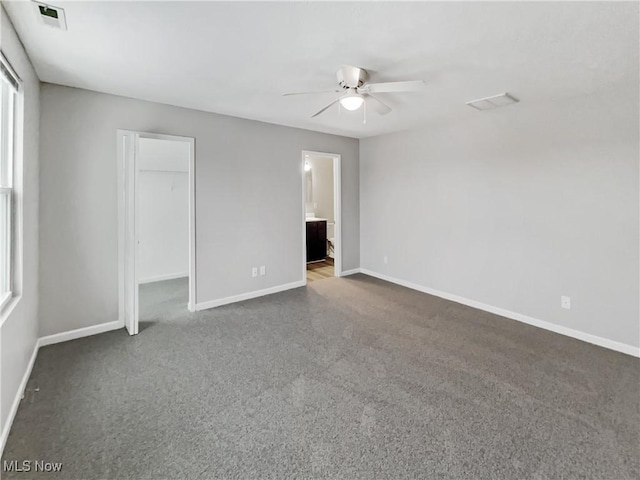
156	213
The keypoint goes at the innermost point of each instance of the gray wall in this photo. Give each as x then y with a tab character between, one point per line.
19	327
249	201
514	208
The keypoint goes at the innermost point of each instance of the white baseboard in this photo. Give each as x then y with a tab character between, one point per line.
80	332
249	295
569	332
160	278
18	397
353	271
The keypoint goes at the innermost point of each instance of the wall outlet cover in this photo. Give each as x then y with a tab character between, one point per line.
254	272
565	302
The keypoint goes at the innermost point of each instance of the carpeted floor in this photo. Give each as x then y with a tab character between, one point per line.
348	378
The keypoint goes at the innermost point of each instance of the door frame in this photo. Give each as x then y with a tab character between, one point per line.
127	153
337	210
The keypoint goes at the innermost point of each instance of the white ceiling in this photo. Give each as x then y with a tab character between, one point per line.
238	58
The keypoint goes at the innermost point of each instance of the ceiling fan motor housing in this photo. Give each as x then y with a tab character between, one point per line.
351	77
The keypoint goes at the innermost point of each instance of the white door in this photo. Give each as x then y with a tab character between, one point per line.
130	153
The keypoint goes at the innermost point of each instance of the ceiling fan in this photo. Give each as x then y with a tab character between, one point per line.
355	92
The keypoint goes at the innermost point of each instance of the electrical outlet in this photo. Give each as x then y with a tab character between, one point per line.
385	259
263	270
565	302
254	272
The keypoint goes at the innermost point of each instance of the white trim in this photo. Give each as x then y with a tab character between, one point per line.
249	295
126	239
121	230
192	225
5	313
80	333
337	211
304	222
160	278
6	298
11	72
353	271
19	395
337	215
569	332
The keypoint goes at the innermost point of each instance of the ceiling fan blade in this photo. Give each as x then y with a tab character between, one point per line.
309	93
325	108
392	87
377	105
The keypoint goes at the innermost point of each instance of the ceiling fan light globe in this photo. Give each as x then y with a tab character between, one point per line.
351	102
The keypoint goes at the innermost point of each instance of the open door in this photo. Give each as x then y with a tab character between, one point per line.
129	163
128	142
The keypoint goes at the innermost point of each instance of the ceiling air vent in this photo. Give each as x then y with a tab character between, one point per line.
489	103
50	15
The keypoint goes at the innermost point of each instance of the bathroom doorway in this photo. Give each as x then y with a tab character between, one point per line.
322	216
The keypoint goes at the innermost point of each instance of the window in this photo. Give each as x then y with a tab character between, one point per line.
9	85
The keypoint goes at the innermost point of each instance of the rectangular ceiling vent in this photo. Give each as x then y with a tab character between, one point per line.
489	103
50	15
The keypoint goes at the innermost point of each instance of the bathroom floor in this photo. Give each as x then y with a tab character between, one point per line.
320	270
